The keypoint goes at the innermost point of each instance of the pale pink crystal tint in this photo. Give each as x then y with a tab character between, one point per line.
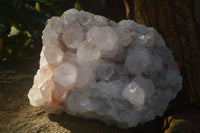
92	67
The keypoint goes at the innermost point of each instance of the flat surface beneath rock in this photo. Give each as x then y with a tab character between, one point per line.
17	115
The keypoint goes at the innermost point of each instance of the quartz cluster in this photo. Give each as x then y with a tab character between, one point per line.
92	67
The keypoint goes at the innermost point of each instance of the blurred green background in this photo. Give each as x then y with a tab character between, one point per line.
22	22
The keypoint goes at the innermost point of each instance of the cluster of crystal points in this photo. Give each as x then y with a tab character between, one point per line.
121	73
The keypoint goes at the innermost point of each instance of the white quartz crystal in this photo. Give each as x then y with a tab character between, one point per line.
87	52
51	55
72	36
91	67
65	75
85	75
103	37
134	93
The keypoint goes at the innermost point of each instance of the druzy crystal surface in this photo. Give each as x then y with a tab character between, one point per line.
92	67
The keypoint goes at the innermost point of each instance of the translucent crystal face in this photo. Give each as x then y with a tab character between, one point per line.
103	37
87	52
134	93
51	55
120	73
65	75
72	37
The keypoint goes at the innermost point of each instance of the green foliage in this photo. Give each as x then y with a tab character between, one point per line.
77	5
21	25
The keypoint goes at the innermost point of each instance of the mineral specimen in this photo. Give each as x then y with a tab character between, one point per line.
120	73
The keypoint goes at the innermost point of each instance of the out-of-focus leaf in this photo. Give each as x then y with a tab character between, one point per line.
48	4
13	31
37	6
27	33
9	51
4	59
77	5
